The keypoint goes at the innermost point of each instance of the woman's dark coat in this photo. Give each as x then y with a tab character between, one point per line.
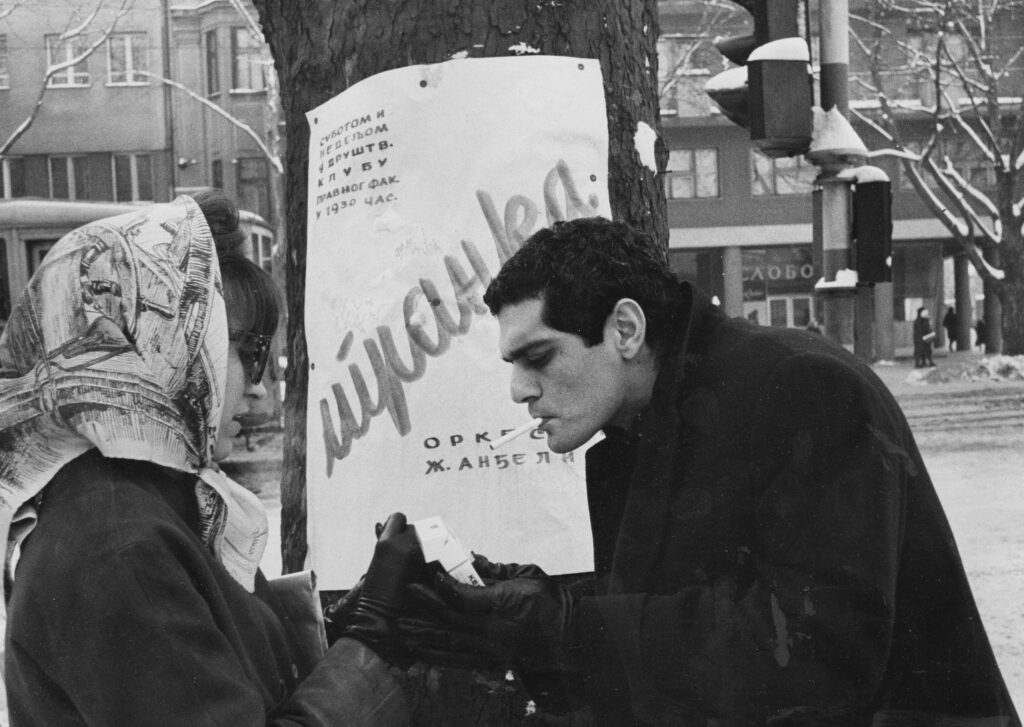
120	616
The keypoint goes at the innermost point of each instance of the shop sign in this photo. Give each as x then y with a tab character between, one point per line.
777	271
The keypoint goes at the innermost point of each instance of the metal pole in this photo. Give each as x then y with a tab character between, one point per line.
832	209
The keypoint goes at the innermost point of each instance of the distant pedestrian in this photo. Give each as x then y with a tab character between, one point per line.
982	330
752	317
923	336
949	323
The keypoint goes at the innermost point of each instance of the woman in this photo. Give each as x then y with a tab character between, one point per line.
923	336
137	597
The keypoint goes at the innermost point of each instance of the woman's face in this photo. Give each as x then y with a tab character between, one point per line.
239	396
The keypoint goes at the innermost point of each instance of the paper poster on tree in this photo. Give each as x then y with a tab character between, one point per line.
422	181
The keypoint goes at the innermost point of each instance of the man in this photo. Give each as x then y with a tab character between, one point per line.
768	546
949	323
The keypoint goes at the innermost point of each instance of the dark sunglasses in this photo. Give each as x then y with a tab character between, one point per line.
254	350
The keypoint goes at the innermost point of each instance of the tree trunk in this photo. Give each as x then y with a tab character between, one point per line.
320	48
1013	291
993	309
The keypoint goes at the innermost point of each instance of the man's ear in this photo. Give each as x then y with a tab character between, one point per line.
626	328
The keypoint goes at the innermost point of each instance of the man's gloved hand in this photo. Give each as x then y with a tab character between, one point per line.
397	562
491	572
523	622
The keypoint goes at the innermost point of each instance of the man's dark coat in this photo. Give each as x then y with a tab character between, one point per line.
771	550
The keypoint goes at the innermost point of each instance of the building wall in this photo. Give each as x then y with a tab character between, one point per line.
215	151
711	235
96	119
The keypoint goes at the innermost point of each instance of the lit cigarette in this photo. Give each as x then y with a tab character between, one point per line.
517	432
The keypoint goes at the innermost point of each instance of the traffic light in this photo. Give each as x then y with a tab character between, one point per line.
771	92
871	228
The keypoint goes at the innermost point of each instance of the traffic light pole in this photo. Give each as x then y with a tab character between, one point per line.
832	217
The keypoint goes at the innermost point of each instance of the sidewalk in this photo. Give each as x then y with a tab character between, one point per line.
954	371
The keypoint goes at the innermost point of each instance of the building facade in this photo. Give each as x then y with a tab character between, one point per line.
102	128
218	53
741	224
109	127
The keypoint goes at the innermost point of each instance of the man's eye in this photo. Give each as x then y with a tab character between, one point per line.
538	360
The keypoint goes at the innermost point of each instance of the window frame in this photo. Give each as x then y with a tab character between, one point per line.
71	172
135	176
799	186
7	178
72	78
5	64
694	173
246	54
254	187
211	56
131	65
262	249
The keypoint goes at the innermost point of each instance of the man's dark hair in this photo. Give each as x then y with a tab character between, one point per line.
581	269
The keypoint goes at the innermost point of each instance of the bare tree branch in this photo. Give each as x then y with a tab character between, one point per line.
53	70
251	24
4	12
73	32
274	159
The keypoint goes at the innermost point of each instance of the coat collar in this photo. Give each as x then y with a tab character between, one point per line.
654	434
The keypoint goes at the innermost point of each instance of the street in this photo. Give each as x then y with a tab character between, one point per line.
971	434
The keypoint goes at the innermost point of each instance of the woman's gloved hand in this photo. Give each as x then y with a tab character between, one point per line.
397	562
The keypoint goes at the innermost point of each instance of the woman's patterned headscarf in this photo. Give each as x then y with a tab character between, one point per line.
120	342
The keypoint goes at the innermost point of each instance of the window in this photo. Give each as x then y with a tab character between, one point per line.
133	177
217	173
64	51
69	177
126	57
263	250
5	288
785	175
685	63
5	74
212	64
923	40
254	186
37	250
968	160
12	177
692	173
247	64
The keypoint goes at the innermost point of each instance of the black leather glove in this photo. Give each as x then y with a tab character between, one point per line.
397	562
338	614
491	572
525	622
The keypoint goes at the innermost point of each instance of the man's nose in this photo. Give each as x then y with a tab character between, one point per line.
524	386
255	392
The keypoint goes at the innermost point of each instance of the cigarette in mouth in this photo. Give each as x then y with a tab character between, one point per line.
517	432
